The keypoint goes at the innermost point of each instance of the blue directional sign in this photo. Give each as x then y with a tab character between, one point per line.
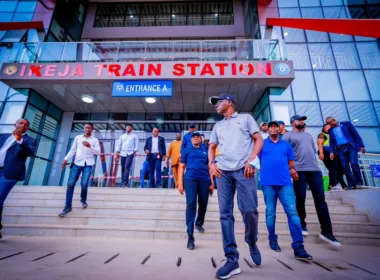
142	88
375	171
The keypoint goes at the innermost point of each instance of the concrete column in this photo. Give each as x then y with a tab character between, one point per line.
60	149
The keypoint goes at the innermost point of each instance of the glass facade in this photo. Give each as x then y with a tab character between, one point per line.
336	74
164	14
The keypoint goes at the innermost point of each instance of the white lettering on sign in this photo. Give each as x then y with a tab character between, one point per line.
144	88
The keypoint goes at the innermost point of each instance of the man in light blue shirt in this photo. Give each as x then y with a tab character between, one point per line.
127	148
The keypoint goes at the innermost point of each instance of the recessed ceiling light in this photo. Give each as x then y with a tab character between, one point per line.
173	15
216	15
355	120
131	16
286	34
150	100
87	99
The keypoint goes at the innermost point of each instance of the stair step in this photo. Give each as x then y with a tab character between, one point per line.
157	233
170	222
165	212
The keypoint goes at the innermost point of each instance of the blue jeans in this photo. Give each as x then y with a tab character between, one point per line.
288	201
348	157
145	168
194	189
247	203
154	165
73	178
126	163
6	186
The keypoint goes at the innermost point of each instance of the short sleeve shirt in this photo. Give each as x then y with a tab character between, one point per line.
233	136
274	163
196	160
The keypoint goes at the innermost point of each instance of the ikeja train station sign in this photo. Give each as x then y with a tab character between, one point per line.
142	70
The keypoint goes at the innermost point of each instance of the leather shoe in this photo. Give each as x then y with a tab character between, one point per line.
190	243
200	229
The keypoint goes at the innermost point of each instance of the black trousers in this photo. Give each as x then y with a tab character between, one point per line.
315	182
335	169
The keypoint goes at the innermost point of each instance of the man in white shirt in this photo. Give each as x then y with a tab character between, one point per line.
264	130
84	148
127	148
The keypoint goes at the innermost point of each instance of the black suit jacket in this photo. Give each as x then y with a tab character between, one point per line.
15	158
161	146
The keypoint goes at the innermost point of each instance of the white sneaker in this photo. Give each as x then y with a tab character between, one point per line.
337	188
330	239
305	233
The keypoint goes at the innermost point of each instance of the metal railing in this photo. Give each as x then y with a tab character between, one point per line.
189	50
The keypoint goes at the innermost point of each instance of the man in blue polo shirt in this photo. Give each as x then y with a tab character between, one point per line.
277	168
186	141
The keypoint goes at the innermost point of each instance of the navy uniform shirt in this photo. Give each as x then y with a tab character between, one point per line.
196	160
274	163
186	141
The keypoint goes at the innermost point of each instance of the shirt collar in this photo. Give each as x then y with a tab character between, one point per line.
271	141
234	115
86	137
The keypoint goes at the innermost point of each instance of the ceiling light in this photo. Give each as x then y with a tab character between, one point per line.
314	65
355	120
173	15
131	16
87	99
286	34
150	100
216	15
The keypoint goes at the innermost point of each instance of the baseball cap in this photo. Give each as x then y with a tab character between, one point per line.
298	118
280	122
273	123
263	124
191	125
215	99
195	134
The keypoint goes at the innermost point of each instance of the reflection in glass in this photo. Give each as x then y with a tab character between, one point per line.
294	35
373	81
328	85
369	54
282	111
39	174
18	95
35	117
354	86
346	56
45	148
371	138
362	114
303	86
321	56
12	112
311	110
50	128
336	109
299	55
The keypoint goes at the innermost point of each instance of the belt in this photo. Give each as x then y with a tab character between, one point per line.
156	153
342	146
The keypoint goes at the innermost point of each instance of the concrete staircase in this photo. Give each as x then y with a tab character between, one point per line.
158	213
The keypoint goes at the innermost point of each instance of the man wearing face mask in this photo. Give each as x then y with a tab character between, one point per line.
305	163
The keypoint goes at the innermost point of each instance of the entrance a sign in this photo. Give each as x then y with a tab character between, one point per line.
142	88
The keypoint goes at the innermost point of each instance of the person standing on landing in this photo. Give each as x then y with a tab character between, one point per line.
174	153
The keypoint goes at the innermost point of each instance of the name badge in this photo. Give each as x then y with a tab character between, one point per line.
158	156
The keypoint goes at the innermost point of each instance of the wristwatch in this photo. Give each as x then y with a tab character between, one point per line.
211	162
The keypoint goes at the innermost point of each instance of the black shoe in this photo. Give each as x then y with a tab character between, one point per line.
84	205
330	239
1	235
274	246
301	254
190	243
200	229
65	212
255	254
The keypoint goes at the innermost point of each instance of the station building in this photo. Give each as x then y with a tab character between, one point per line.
157	63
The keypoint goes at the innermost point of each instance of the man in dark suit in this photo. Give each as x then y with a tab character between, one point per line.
15	148
345	142
155	150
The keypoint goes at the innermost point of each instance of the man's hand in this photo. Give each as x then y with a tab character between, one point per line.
64	163
331	156
181	189
17	134
215	171
86	144
321	157
212	188
249	170
362	150
117	158
147	152
163	158
294	174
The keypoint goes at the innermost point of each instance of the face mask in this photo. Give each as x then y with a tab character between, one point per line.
300	126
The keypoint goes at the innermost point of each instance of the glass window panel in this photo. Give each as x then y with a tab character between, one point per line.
8	6
179	8
328	85
356	12
27	6
40	171
210	19
377	109
35	117
312	12
287	3
194	19
336	109
163	20
303	86
369	54
374	12
346	56
226	7
331	2
311	110
3	91
116	21
282	111
321	56
309	3
22	17
280	94
340	37
5	17
316	36
55	112
373	80
334	12
45	148
293	35
17	95
371	138
226	19
362	113
361	38
178	20
299	55
147	20
101	21
271	33
131	20
38	101
354	86
12	112
6	128
50	127
99	116
164	8
194	8
133	9
81	116
290	13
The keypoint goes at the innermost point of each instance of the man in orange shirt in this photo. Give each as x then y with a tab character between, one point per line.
174	152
